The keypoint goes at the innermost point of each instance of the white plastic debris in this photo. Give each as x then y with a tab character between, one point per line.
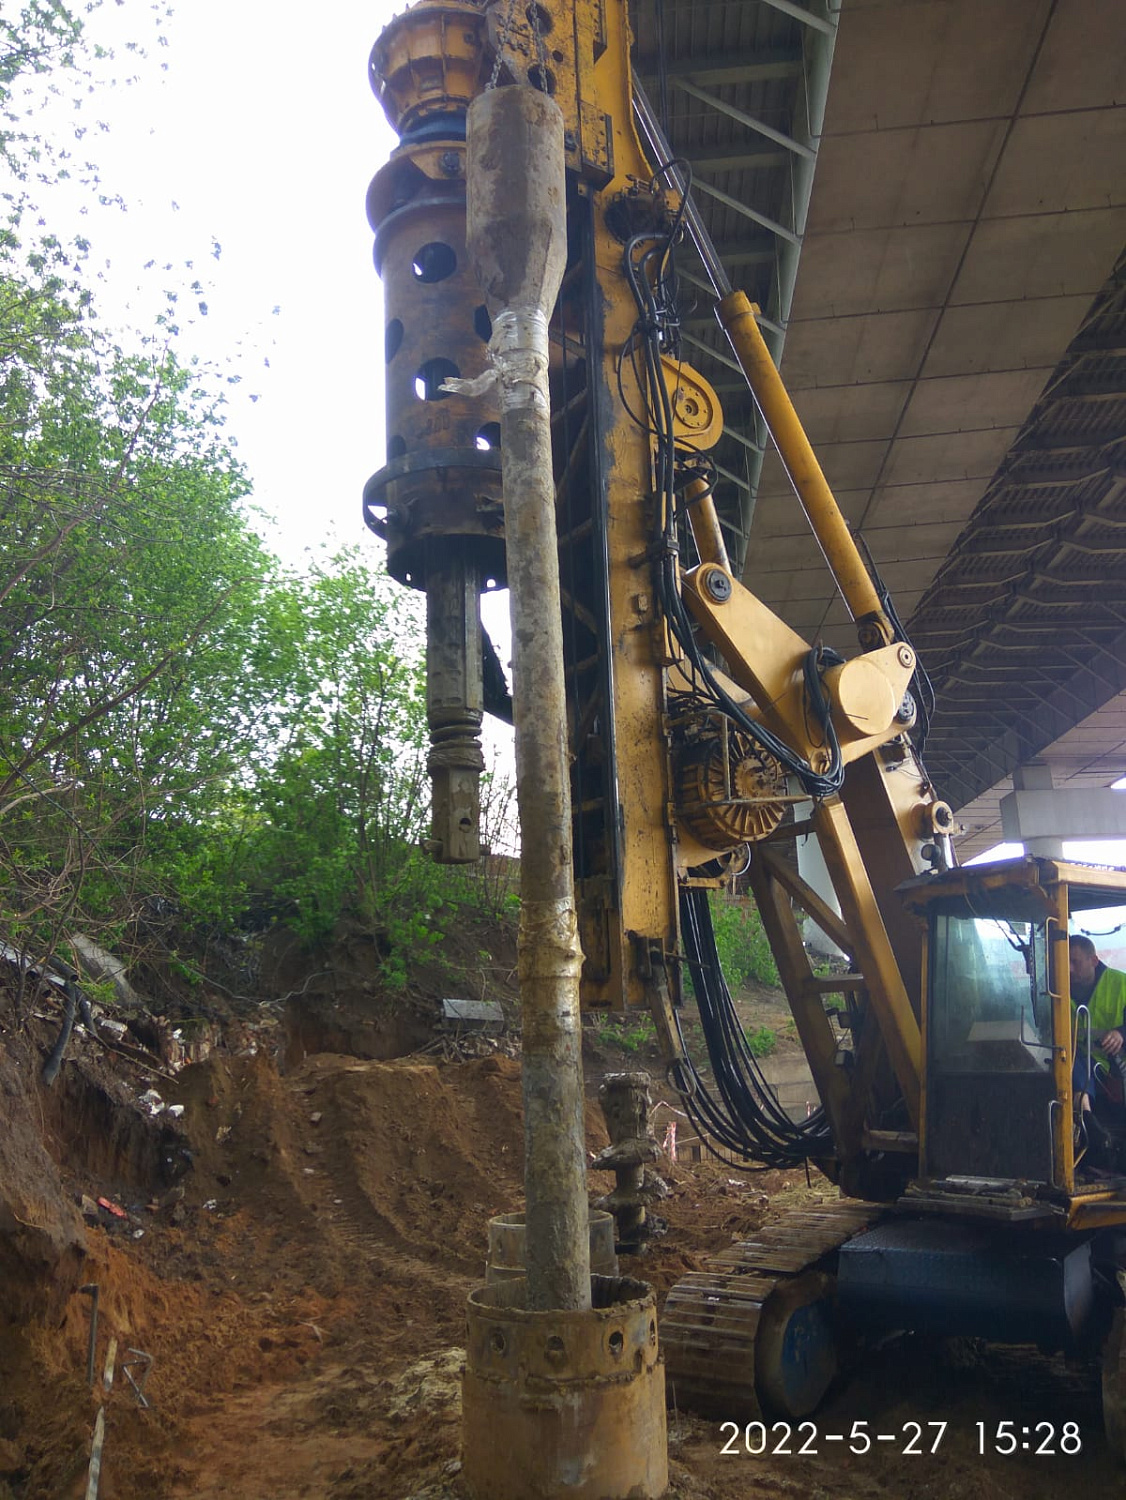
151	1101
93	961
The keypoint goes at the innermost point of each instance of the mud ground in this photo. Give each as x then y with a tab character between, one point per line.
300	1285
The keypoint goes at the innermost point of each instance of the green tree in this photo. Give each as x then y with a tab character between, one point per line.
131	587
741	941
178	717
43	36
48	60
340	802
337	814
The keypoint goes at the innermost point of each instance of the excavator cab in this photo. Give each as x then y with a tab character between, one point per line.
1002	1038
1009	1231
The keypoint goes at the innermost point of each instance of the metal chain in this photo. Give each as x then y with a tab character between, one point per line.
534	16
504	33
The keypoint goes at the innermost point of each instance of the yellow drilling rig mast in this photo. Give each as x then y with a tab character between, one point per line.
704	735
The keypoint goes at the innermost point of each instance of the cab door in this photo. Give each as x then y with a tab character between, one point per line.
990	1086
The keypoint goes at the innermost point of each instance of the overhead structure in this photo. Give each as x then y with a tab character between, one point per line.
1024	627
925	227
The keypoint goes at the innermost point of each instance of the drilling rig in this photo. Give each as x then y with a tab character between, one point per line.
704	736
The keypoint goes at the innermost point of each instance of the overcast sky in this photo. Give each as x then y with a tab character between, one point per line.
245	148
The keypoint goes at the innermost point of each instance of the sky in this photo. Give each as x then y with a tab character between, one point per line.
242	153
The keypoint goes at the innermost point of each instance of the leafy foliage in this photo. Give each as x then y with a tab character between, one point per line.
630	1034
339	808
41	37
762	1041
744	950
179	717
130	581
46	58
339	803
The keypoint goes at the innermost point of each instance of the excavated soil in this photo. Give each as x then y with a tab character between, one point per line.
295	1257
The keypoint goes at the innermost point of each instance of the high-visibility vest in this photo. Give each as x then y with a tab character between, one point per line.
1107	1004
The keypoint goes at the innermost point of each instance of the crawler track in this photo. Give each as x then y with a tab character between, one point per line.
713	1318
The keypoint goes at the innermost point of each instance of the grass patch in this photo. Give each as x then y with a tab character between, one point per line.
628	1033
762	1042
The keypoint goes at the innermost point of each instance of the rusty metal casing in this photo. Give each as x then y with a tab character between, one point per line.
437	502
564	1403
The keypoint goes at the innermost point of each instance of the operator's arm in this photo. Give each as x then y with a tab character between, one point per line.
1108	1012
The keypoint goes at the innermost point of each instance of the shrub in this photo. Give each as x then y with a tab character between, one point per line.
744	951
762	1042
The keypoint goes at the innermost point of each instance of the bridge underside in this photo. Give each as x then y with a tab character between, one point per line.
1024	627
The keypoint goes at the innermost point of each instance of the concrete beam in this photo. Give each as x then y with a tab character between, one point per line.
734	159
1026	736
805	16
749	252
742	117
1063	813
746	210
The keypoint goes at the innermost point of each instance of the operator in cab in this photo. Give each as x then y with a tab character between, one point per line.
1101	1093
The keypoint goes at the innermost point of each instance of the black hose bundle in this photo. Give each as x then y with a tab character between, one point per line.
742	1116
